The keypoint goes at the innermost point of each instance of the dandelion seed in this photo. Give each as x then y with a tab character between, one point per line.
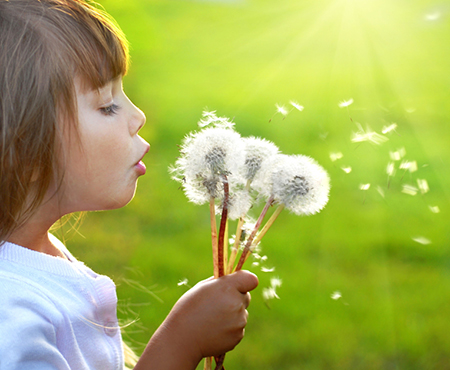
255	264
210	118
409	189
387	129
265	269
296	105
368	135
390	169
397	155
345	103
410	166
269	293
298	182
183	282
264	258
364	187
433	16
282	110
422	240
335	156
336	295
346	169
380	190
239	204
423	186
434	209
275	282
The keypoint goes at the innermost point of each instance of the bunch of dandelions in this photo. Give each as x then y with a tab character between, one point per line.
232	173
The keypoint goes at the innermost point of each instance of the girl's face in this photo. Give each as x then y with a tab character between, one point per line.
102	166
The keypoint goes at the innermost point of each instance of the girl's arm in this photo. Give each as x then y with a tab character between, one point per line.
208	320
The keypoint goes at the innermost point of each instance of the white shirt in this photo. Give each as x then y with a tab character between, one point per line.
56	313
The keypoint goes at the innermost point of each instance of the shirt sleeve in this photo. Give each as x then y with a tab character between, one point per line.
28	334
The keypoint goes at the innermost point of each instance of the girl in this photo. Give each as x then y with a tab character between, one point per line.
69	143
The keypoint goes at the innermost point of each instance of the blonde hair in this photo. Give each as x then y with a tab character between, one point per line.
44	44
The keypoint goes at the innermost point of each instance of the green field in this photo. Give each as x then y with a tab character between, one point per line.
384	250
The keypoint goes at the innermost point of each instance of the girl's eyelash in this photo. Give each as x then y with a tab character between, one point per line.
110	110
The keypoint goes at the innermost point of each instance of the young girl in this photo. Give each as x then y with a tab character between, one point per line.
69	143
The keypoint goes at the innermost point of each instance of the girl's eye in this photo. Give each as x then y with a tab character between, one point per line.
110	110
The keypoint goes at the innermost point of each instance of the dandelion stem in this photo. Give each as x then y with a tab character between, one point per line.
268	224
215	248
235	248
219	362
247	248
223	226
208	363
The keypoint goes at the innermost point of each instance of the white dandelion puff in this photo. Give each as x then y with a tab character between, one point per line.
364	186
296	105
206	157
336	295
295	181
388	129
334	156
368	135
423	186
409	189
346	169
257	151
239	204
421	240
434	209
345	103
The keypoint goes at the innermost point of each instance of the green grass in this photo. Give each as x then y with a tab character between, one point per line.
241	58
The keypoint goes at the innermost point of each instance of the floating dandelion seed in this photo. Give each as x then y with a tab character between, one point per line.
410	166
345	103
281	109
368	135
423	186
433	16
422	240
346	169
387	129
335	156
409	189
364	187
266	269
380	190
434	209
210	118
390	169
183	282
397	155
298	182
336	295
296	105
271	291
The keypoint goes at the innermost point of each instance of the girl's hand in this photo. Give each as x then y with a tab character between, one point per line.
208	320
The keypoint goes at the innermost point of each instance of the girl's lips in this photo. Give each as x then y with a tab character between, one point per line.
140	167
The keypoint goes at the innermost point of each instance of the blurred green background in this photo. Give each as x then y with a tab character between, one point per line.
384	250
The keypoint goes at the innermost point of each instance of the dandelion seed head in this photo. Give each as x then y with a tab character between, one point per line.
239	204
409	189
423	186
296	105
296	181
346	169
257	151
206	157
335	156
345	103
421	240
336	295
